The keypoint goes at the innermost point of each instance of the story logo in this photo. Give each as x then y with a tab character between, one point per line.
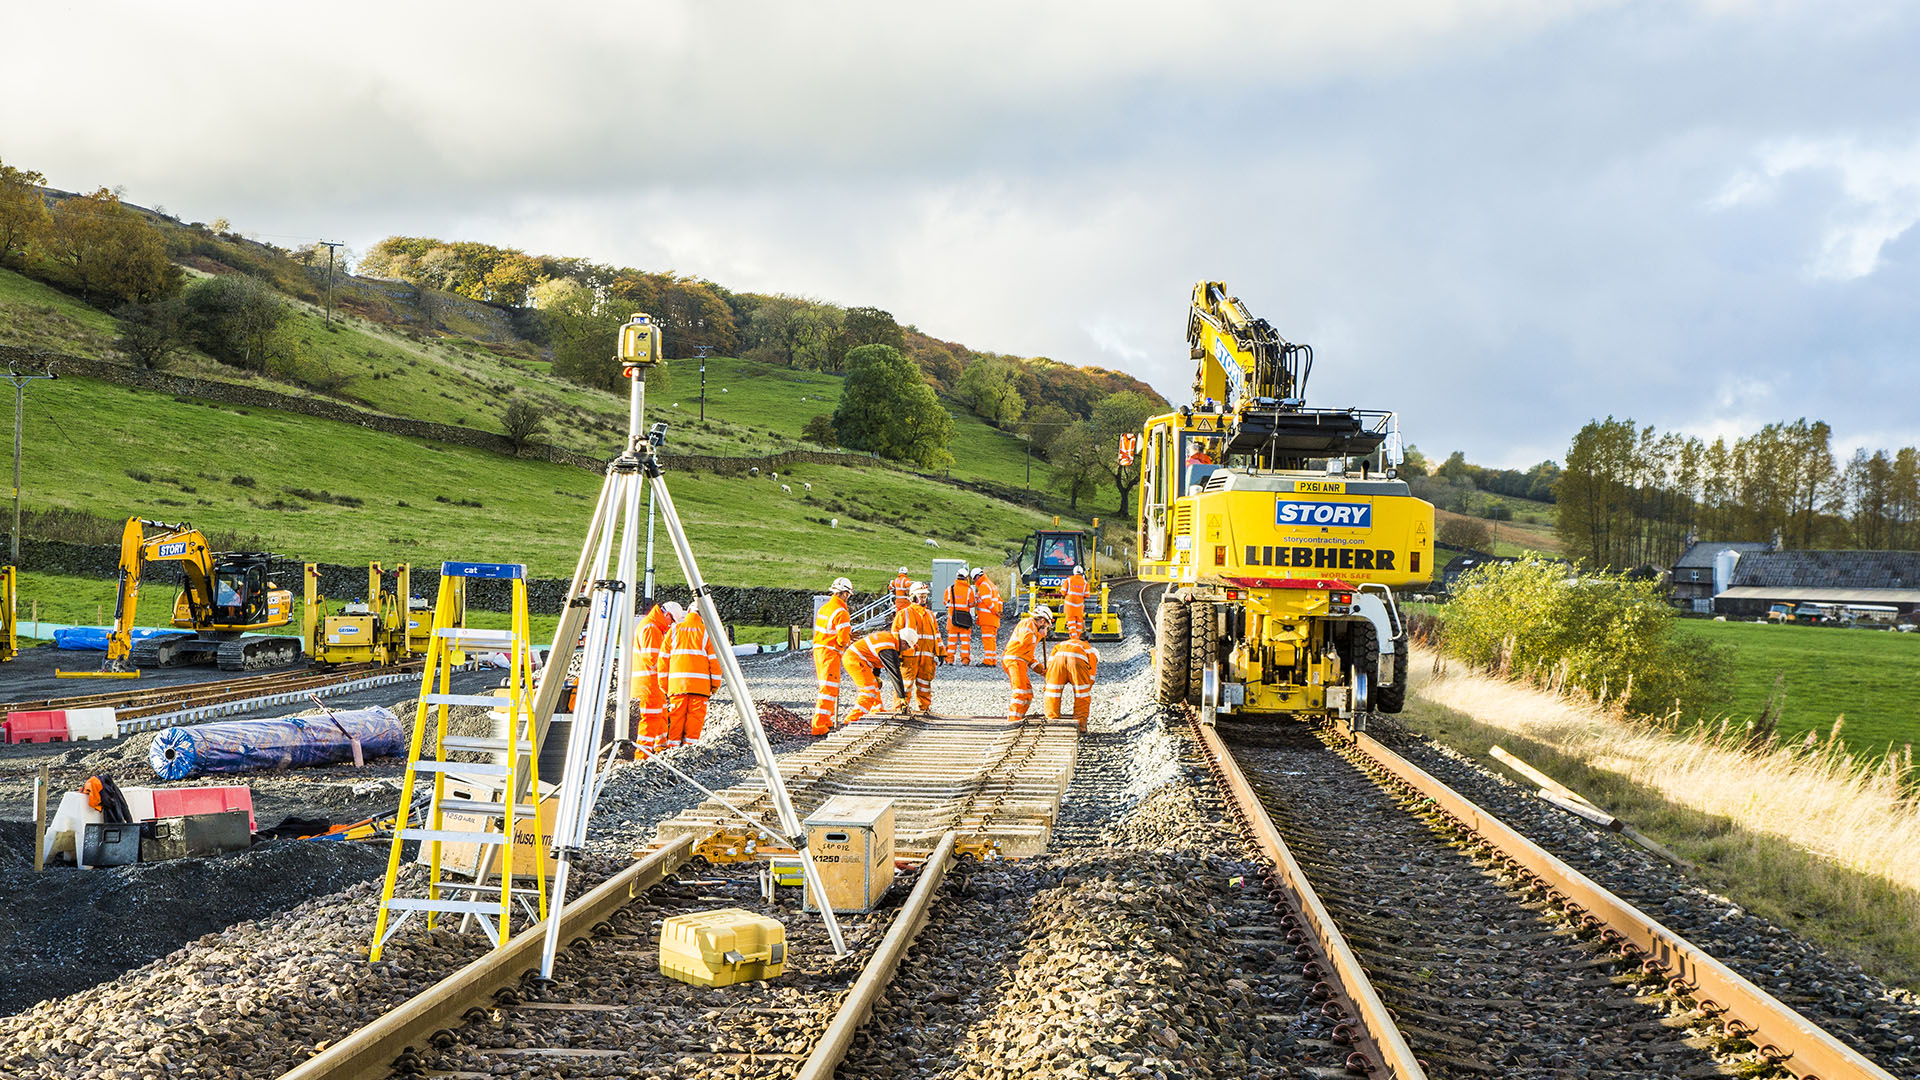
1342	515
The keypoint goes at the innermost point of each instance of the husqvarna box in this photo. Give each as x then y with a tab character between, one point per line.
723	947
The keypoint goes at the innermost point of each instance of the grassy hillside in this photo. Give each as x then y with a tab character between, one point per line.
752	408
1511	537
324	490
1872	679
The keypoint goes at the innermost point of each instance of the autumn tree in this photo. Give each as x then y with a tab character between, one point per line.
106	251
887	408
986	388
23	211
1464	532
1079	462
1117	415
872	326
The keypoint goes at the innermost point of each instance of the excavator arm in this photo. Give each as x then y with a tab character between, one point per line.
166	543
1241	359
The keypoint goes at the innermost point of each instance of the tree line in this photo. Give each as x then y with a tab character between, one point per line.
1632	496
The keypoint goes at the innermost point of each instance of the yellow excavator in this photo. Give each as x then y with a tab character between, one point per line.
1280	532
226	595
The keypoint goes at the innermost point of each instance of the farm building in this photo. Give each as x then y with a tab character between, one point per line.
1866	580
1693	581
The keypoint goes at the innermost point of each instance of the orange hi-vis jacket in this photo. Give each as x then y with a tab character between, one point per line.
986	600
901	583
649	673
919	634
959	598
1076	590
1075	647
1027	637
692	665
868	649
832	626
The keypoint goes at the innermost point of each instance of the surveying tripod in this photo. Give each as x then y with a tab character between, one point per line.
601	601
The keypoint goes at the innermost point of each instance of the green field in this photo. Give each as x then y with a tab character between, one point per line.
318	489
1872	678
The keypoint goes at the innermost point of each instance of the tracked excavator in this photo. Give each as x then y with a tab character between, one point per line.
226	595
1280	532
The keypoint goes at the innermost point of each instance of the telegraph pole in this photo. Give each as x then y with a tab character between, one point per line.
330	245
703	350
20	382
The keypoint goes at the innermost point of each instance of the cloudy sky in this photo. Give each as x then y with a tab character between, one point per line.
1502	219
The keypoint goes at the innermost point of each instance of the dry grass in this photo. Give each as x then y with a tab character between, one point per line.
1800	833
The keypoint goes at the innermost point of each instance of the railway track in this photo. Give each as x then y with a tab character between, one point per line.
148	708
1454	946
959	786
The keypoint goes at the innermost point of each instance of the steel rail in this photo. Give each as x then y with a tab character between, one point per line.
1778	1032
1376	1038
369	1053
151	699
832	1048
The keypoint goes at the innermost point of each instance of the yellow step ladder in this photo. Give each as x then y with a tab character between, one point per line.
514	799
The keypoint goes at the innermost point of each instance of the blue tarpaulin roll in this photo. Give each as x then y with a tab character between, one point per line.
95	637
282	743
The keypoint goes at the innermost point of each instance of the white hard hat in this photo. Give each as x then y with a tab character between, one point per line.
1042	611
674	611
904	570
978	571
840	584
919	588
1078	569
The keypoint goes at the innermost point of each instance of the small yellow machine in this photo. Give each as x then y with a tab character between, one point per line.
387	627
9	614
1280	532
1045	562
226	595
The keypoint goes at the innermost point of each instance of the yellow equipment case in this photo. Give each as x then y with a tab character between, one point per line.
720	948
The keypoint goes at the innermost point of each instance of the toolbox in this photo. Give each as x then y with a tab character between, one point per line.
723	947
110	845
851	838
196	834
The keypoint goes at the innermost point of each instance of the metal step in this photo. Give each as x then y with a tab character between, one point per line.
480	744
454	836
475	806
484	701
462	907
462	768
467	637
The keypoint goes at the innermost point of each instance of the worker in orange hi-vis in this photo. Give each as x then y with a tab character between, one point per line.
1075	604
1023	659
960	619
986	612
920	646
650	676
864	660
693	674
1073	664
832	633
902	582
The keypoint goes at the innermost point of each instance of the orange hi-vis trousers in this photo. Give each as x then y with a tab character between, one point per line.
959	643
1022	684
826	669
919	670
1076	615
653	716
989	640
1067	670
866	685
686	718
